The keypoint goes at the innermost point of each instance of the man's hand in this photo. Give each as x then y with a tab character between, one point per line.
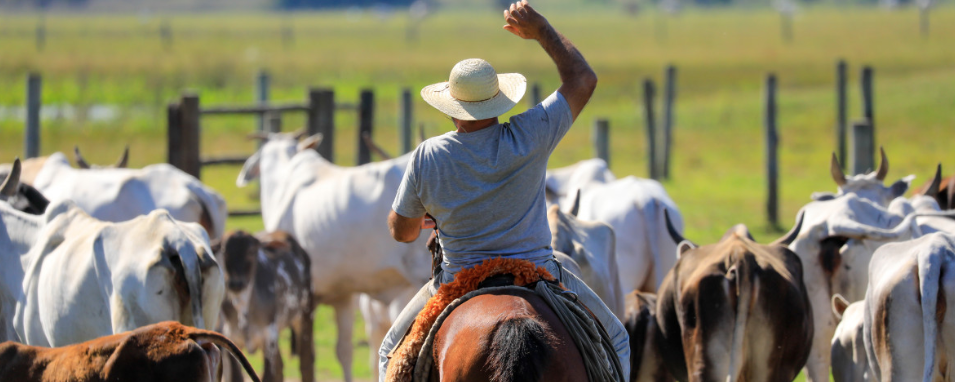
524	21
577	79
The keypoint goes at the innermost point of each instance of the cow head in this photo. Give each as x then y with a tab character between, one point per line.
838	239
237	252
81	162
869	186
561	183
277	150
592	245
20	196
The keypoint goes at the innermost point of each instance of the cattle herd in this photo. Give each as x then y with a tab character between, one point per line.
109	273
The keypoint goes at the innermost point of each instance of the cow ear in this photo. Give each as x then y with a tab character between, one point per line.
310	142
250	170
839	305
684	246
822	196
900	186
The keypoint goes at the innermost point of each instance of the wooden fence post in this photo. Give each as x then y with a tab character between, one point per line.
274	122
772	142
31	137
366	117
535	94
321	119
262	82
405	110
841	116
40	34
189	134
863	147
601	140
651	132
174	135
669	96
165	34
868	99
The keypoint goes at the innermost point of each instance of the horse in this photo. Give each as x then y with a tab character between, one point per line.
506	335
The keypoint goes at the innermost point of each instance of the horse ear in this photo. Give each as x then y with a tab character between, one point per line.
684	246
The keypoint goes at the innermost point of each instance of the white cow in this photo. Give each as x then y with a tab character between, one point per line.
591	246
849	362
868	186
633	207
835	243
909	328
338	215
120	194
66	277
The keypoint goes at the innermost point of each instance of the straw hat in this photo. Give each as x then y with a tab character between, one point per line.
475	91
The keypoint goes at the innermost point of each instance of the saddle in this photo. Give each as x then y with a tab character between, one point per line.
492	272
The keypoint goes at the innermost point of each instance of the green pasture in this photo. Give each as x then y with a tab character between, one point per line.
723	56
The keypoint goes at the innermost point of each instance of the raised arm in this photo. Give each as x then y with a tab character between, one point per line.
577	79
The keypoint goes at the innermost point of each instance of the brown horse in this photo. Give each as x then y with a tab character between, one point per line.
506	335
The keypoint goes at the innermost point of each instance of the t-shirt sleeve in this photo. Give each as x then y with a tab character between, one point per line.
407	202
545	124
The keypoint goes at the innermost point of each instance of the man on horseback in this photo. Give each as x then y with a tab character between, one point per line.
484	182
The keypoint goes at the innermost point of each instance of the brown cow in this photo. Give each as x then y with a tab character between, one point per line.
941	189
646	362
734	311
163	352
268	288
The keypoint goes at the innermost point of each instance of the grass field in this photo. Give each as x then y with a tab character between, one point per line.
723	56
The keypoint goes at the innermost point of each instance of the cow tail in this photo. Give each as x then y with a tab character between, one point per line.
191	275
744	293
225	344
213	210
930	269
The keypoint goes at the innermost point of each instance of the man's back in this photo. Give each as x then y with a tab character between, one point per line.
486	189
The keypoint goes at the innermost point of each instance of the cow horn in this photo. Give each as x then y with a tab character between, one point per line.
80	161
574	208
121	163
9	186
299	134
785	241
883	166
366	138
932	189
258	135
836	170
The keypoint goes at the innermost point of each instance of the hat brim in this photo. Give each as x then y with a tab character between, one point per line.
511	85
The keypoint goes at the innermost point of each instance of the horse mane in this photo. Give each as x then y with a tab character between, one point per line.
521	349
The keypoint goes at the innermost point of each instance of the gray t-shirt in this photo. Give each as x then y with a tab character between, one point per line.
486	189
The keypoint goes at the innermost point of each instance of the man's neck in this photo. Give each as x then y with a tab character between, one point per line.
472	126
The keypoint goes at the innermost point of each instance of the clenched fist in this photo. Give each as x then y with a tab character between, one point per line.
524	21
